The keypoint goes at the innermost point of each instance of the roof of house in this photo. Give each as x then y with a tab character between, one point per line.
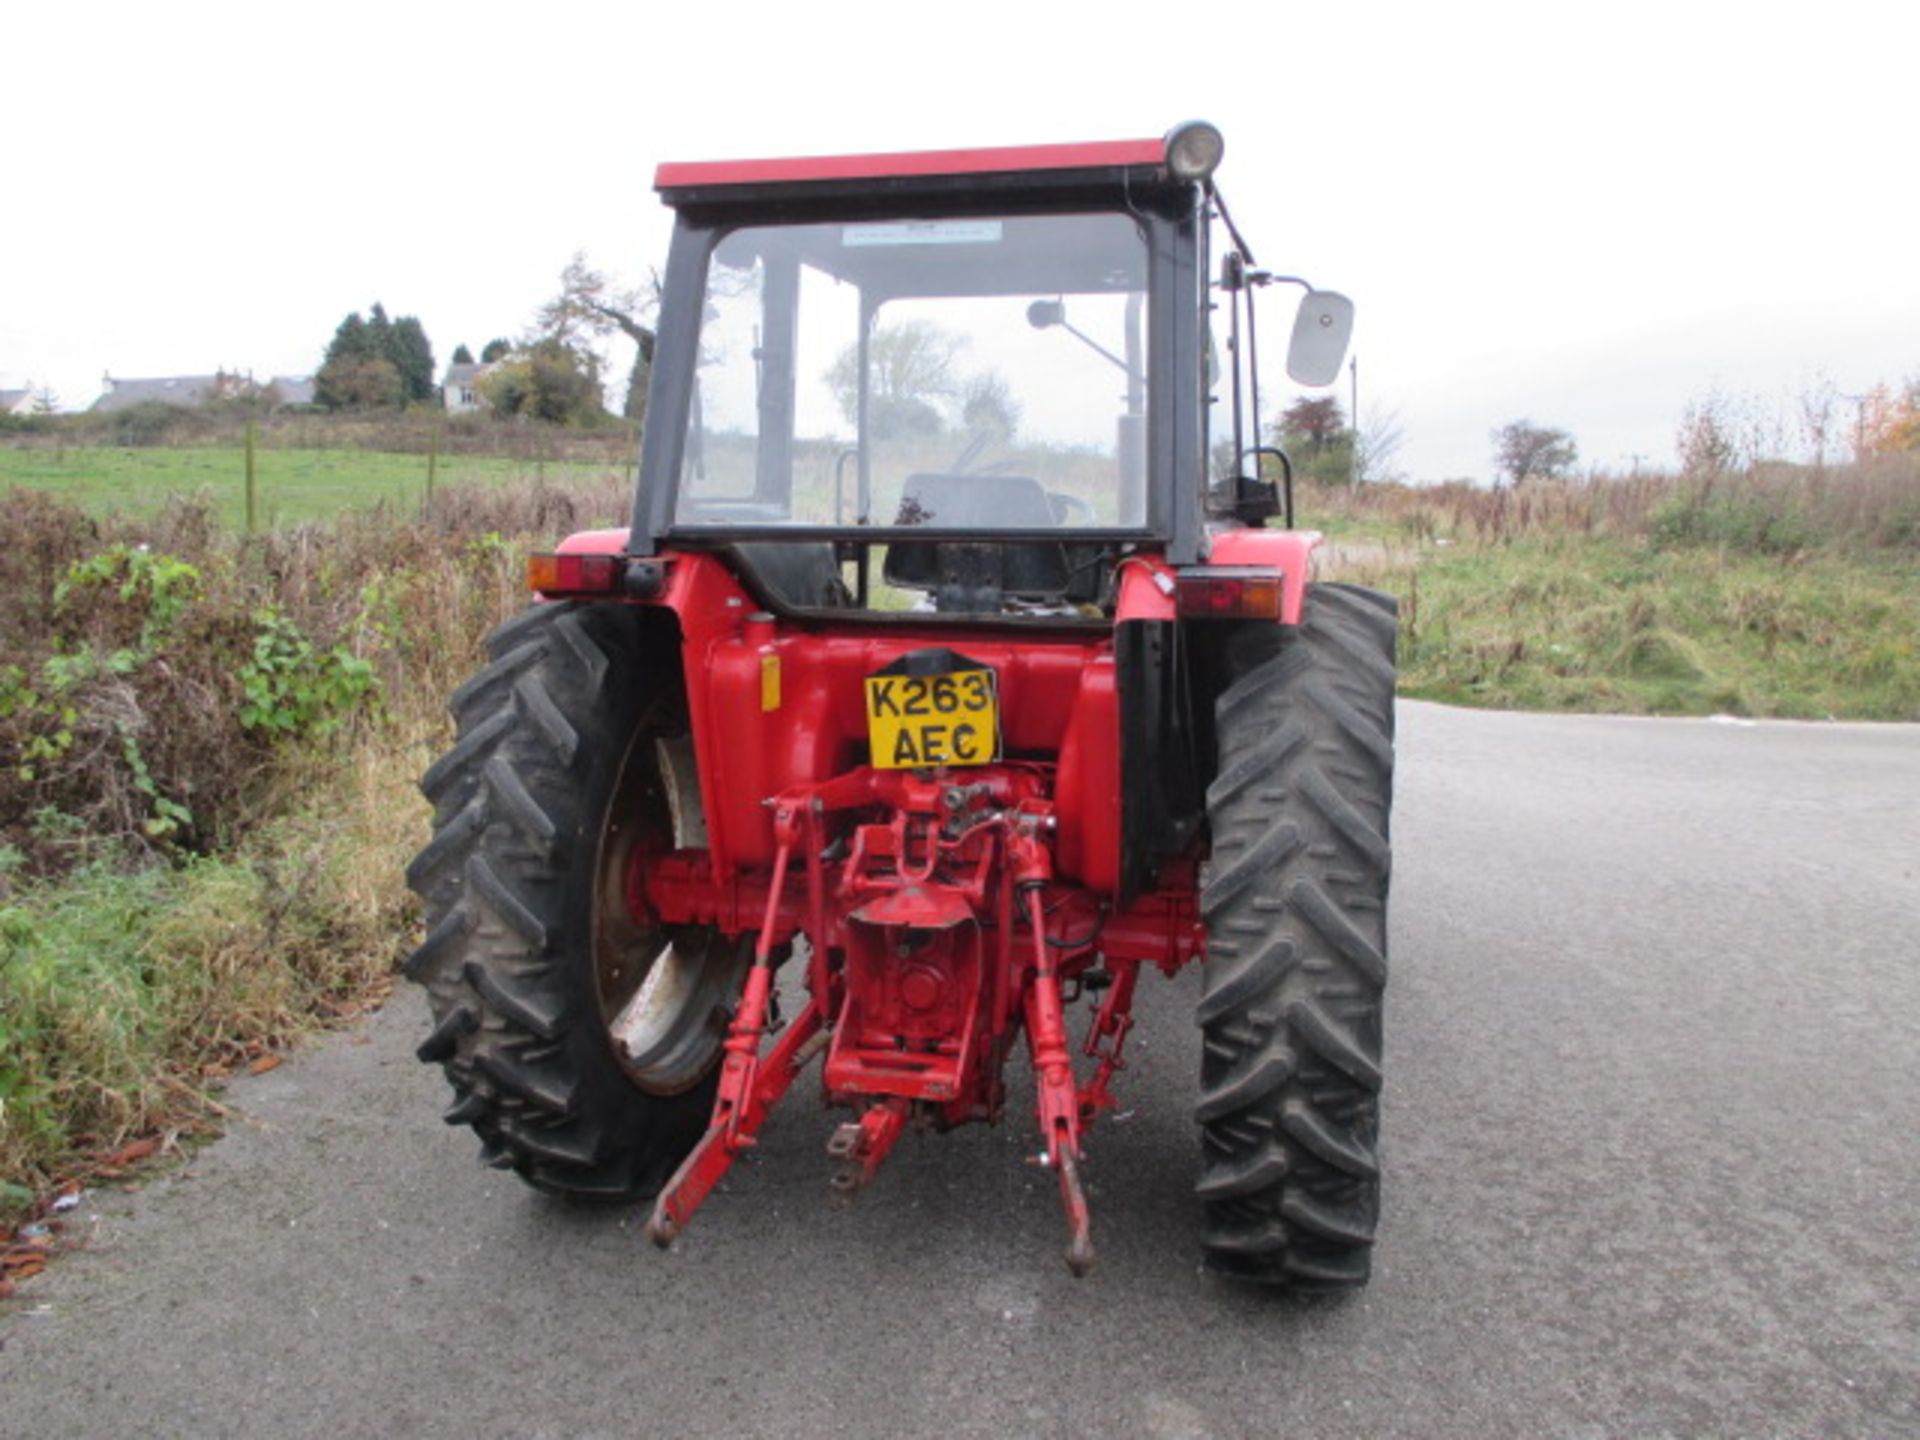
169	390
463	374
11	398
293	389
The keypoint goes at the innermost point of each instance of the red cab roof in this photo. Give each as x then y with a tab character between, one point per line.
1094	155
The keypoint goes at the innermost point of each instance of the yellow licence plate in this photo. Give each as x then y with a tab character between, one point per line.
919	720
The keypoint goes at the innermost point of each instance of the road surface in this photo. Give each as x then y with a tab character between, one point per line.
1652	1167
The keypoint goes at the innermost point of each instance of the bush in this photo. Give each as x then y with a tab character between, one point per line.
1740	522
208	749
153	422
292	688
27	424
550	381
44	537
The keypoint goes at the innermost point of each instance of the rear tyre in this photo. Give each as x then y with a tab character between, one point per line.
1294	899
576	1073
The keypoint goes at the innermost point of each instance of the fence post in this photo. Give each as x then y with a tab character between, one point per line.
433	459
252	491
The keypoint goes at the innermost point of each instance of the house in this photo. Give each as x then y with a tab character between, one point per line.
18	402
192	391
293	389
187	391
460	389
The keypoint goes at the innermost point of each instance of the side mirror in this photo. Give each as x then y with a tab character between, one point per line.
1044	314
1321	331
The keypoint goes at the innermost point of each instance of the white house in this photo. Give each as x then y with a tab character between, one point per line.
459	390
18	402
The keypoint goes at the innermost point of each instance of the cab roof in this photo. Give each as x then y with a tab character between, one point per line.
720	179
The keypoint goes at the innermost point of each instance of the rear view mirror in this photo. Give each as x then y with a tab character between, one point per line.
1320	334
1043	314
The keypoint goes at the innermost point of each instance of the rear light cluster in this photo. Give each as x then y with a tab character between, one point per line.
555	575
1228	592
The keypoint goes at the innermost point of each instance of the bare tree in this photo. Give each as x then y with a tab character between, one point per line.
910	371
1705	441
1819	402
1376	443
1523	451
589	304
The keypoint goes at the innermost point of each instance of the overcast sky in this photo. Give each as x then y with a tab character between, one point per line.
1583	214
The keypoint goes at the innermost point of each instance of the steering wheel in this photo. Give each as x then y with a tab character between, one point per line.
1065	505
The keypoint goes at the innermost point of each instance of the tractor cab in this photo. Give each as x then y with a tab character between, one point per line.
958	384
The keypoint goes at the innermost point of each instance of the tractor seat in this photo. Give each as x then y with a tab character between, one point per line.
963	574
792	574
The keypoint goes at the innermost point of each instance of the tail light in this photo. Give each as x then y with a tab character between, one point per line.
556	575
1228	592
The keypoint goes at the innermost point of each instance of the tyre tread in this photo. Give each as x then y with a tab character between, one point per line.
1294	899
543	728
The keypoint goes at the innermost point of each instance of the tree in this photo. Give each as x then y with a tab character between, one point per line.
1374	447
375	362
1313	431
987	406
1705	440
1523	450
590	304
359	382
462	355
1887	423
45	402
1905	430
550	381
495	350
344	381
910	373
412	356
1312	422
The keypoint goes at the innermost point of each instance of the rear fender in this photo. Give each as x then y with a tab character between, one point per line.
1289	551
594	542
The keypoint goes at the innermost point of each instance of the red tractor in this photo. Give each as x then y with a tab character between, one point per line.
949	663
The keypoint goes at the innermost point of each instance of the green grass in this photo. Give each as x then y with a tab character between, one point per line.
122	992
293	485
1598	624
94	1015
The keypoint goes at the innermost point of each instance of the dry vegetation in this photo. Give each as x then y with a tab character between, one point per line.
1777	508
208	749
208	744
1777	591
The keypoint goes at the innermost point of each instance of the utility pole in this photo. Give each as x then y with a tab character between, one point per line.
252	488
1859	423
1353	421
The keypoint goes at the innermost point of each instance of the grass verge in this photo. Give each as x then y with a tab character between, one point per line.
125	994
1616	625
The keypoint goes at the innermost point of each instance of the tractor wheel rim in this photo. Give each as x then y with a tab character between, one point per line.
665	993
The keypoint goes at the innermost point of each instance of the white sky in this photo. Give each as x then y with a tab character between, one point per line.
1584	215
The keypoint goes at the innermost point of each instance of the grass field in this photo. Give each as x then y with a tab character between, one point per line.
292	485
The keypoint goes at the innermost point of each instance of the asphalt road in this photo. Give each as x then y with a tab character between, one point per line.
1653	1168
